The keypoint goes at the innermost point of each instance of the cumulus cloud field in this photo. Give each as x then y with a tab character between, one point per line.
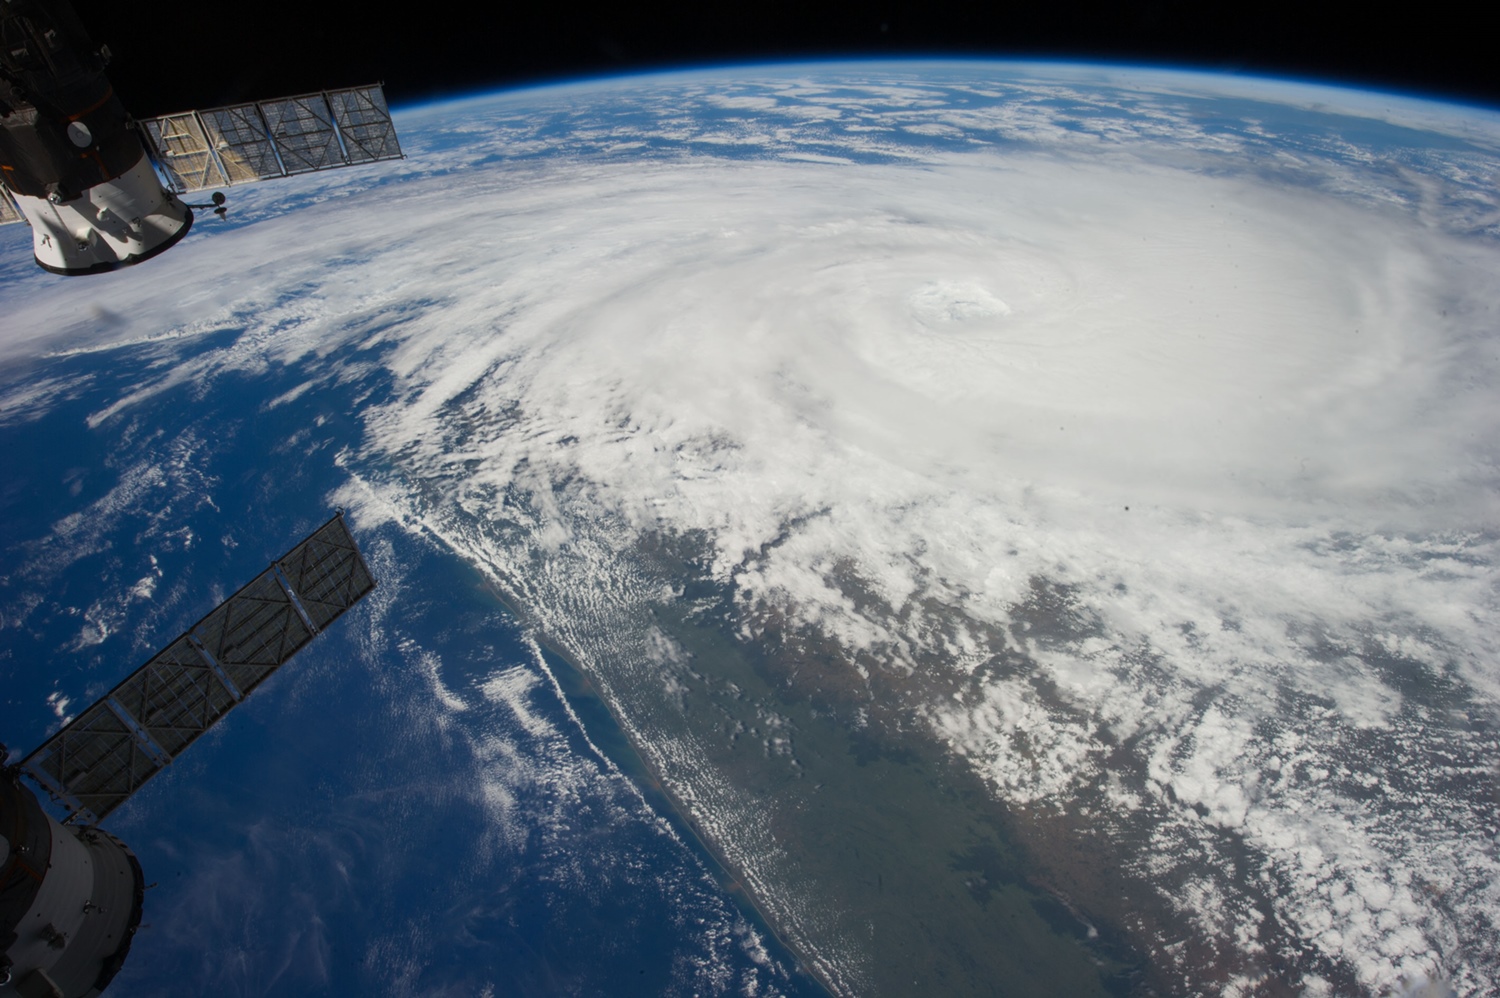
1212	365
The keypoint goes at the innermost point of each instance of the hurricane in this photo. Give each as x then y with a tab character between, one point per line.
1120	445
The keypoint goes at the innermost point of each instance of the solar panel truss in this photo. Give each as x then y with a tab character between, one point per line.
302	128
182	150
327	573
364	121
8	210
243	143
239	136
97	761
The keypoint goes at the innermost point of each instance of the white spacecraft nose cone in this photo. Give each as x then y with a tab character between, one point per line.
79	134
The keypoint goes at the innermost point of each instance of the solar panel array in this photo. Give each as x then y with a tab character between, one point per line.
242	143
8	210
97	761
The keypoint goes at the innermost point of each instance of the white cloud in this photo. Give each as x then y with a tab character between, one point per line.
1250	427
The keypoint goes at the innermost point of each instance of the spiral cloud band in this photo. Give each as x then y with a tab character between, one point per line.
1199	433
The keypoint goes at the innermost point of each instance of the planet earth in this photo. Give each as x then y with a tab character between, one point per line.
901	528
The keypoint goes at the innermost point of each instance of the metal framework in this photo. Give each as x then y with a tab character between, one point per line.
98	760
242	143
8	210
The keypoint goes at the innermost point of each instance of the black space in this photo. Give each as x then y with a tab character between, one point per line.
277	47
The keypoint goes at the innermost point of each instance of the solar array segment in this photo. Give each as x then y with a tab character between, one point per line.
327	572
182	149
242	143
8	211
364	120
302	128
98	760
238	136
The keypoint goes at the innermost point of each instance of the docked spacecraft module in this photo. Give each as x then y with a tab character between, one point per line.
100	188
